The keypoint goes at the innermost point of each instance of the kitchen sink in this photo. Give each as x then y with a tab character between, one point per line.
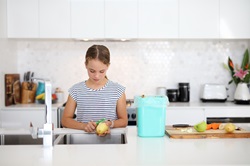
86	138
64	139
21	140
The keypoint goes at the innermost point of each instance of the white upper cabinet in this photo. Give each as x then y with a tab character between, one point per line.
54	18
121	19
22	19
199	19
158	19
235	19
129	19
87	19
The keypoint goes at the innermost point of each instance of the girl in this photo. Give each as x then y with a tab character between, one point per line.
96	98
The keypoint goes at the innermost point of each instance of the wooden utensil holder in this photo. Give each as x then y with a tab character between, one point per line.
28	95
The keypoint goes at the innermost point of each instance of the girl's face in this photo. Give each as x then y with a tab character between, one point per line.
96	70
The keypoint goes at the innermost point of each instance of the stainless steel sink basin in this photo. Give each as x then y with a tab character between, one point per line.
91	139
63	139
20	140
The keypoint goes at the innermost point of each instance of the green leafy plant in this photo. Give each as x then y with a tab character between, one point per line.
241	74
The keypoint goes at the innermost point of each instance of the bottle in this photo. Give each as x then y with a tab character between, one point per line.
184	92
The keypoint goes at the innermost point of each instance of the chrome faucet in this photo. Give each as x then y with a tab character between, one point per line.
47	132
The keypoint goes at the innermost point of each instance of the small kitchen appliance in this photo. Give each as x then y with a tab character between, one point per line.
151	115
214	93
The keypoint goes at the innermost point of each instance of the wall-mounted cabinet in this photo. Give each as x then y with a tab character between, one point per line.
22	18
54	18
199	19
98	19
87	19
134	19
158	19
38	18
235	19
120	19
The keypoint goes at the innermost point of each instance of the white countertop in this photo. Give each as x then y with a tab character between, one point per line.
30	106
57	131
137	151
206	105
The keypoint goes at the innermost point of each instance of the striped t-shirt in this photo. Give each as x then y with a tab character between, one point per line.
96	104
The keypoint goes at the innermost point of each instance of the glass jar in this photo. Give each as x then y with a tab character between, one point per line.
172	95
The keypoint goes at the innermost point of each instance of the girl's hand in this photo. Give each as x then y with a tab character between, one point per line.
107	132
90	127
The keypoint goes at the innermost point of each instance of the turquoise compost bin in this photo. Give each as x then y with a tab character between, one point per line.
151	115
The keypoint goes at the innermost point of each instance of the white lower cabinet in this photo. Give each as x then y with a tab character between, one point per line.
21	118
189	116
192	116
227	112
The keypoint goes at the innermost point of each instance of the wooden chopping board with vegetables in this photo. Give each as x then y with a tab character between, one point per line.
211	131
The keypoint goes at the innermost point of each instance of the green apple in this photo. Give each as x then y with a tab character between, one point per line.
201	127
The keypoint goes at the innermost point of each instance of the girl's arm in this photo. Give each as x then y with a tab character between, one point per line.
121	109
69	122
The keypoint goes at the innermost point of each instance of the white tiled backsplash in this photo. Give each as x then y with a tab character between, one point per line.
141	66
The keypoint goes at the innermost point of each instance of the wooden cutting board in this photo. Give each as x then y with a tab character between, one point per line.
182	133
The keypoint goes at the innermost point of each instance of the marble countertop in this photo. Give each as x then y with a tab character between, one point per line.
137	151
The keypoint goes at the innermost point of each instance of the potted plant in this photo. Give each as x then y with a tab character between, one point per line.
241	77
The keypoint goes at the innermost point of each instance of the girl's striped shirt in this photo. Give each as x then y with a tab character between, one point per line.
96	104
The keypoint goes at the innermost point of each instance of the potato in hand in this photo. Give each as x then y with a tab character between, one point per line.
101	128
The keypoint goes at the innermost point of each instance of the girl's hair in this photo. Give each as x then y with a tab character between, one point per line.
99	52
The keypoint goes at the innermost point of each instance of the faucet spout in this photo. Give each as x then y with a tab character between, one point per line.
47	132
48	102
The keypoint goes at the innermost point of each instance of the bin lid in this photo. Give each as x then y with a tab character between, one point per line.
156	101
